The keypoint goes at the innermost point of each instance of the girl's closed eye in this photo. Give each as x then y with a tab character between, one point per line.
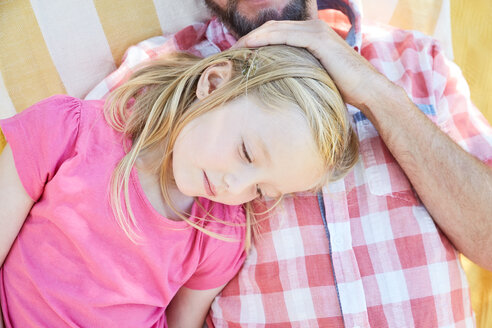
245	153
249	160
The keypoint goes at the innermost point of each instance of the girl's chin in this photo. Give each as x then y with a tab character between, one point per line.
224	201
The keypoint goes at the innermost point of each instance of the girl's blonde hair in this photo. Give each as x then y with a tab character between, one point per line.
154	105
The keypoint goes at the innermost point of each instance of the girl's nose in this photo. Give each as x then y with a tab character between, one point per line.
238	183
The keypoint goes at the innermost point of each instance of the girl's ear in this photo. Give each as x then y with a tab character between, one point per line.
212	78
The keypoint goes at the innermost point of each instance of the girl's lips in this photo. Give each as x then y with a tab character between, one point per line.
209	187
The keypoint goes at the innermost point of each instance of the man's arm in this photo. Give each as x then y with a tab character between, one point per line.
455	187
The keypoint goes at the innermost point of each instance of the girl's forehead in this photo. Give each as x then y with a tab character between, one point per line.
264	111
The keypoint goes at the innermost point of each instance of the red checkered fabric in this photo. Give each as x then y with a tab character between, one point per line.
365	253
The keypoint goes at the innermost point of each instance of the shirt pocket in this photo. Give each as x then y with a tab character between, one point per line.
382	173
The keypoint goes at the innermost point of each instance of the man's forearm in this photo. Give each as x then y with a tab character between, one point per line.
455	187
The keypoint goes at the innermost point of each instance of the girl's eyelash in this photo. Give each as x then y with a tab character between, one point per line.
246	155
245	152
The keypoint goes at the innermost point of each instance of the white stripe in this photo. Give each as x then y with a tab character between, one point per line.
352	297
288	243
378	11
442	31
175	15
76	41
299	303
7	108
252	310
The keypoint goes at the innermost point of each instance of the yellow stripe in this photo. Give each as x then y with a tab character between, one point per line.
126	23
472	46
27	69
480	281
419	15
471	29
3	142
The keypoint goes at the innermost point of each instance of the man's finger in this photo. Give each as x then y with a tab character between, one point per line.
295	33
271	33
265	37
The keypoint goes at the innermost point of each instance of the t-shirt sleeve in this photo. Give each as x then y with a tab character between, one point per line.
42	137
457	116
223	259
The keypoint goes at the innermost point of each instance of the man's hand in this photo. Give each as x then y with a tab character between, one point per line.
352	73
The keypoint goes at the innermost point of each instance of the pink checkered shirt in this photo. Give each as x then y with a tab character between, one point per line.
365	252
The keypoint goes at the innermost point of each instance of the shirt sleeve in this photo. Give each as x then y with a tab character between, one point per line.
457	116
224	258
42	137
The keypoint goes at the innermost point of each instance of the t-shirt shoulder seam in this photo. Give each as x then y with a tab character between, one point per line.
79	111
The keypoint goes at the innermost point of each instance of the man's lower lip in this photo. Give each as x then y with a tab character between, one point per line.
207	186
261	3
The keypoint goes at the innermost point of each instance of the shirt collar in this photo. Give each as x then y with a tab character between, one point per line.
351	9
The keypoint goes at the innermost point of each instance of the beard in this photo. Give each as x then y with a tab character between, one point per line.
240	25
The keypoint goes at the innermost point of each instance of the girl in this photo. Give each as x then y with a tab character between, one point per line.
134	215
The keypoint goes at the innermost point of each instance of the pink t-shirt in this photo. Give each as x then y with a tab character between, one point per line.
72	265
